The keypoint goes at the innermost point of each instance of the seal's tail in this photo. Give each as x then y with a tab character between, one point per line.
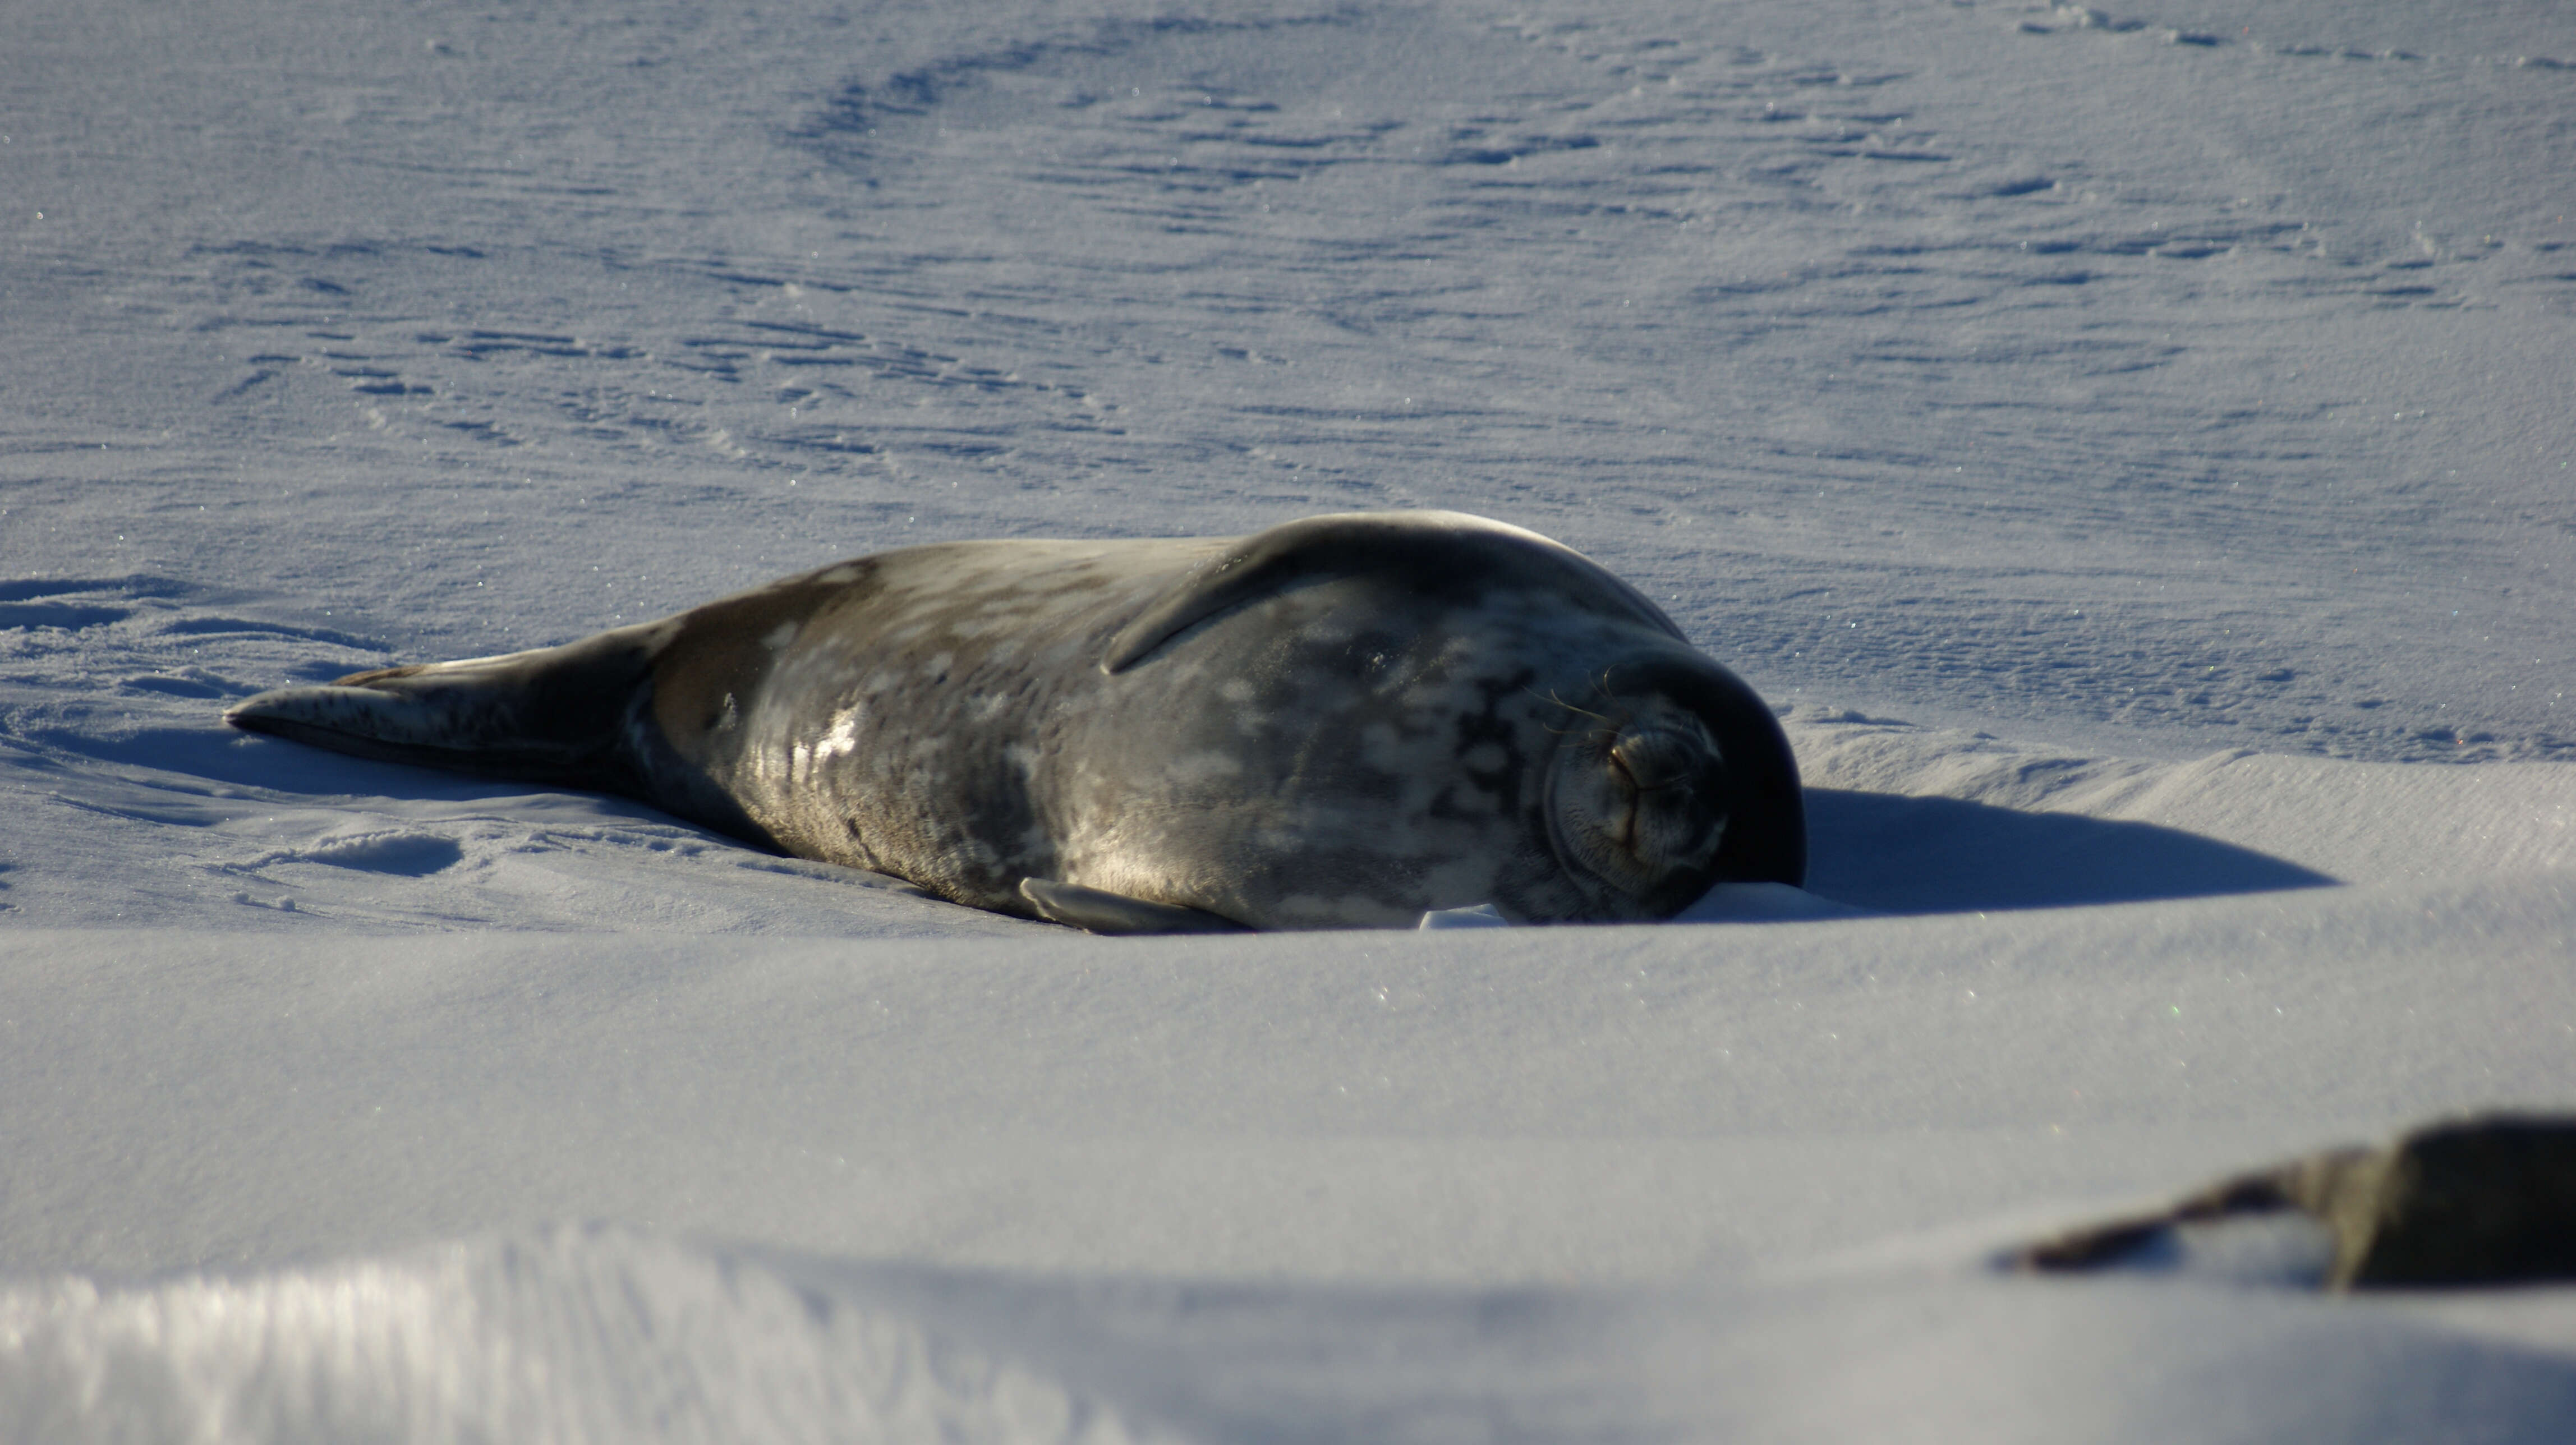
555	714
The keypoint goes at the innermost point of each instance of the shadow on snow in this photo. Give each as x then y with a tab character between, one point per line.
1880	851
1898	854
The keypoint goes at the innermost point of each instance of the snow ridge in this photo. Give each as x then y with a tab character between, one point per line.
567	1335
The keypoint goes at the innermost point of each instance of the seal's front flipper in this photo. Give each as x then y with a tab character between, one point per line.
1093	911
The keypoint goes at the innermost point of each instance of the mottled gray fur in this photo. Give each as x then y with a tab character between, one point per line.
1343	721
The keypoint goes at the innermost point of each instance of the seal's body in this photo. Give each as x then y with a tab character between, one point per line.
1344	721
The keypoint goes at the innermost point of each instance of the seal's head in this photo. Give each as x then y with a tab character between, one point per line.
1637	802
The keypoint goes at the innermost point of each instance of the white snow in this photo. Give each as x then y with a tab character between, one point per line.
2132	446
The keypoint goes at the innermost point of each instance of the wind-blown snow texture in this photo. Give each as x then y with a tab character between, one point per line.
2134	446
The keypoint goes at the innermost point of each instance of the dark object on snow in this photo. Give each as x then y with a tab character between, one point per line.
1343	722
2480	1201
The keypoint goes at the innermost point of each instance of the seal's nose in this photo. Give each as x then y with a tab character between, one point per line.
1656	758
1676	783
1641	803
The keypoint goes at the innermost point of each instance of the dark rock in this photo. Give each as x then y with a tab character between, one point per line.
2481	1201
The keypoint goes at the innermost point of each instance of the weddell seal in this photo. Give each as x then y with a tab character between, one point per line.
1345	721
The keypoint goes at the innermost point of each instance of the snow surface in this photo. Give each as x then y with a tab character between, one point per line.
2133	447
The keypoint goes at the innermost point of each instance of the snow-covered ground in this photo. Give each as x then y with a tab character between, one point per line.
2133	446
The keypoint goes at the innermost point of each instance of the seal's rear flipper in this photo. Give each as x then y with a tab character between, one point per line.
1094	911
555	714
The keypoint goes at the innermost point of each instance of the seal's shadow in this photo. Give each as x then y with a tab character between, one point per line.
1898	854
1881	851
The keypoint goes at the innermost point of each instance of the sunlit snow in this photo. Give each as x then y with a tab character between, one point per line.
2131	447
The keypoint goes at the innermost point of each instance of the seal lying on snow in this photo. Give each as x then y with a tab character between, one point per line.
1339	722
